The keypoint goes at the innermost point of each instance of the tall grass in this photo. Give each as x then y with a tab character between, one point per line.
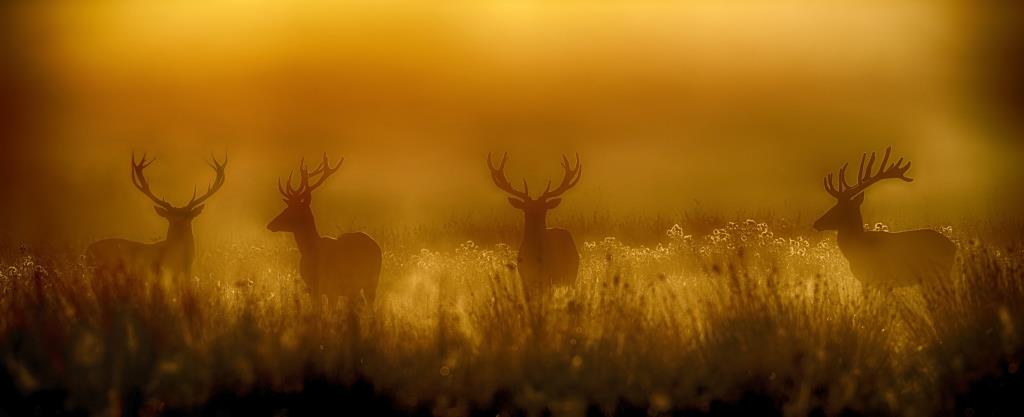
738	319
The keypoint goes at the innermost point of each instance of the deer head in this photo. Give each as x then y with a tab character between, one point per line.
298	214
846	212
177	215
547	200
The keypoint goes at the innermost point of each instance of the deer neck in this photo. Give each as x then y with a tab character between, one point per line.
852	226
306	235
533	234
180	243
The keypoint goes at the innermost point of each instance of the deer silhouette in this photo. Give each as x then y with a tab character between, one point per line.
882	259
348	266
547	256
171	257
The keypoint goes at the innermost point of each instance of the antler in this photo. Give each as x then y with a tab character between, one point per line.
324	170
140	182
218	167
569	179
498	175
841	190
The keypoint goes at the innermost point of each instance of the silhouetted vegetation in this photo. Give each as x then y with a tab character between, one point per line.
740	320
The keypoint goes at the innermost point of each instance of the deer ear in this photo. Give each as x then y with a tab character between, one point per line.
858	199
517	203
196	210
161	211
550	204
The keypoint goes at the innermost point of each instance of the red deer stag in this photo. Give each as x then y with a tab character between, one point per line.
348	266
882	259
547	256
171	257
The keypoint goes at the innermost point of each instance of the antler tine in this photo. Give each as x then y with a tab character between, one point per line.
501	165
902	170
292	191
871	166
324	170
885	160
140	182
867	176
303	175
218	181
829	188
860	170
303	179
320	167
569	179
280	188
143	163
499	178
842	179
565	161
215	164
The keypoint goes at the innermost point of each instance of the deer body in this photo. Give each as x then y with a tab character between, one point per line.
171	257
547	256
348	266
883	259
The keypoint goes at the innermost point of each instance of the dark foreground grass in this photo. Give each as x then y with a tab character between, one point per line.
738	321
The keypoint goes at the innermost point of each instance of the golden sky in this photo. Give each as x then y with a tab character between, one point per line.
737	105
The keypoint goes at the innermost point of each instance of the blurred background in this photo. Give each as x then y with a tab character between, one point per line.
734	107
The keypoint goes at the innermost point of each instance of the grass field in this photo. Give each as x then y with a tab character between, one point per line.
746	317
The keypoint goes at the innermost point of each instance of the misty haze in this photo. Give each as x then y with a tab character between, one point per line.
304	208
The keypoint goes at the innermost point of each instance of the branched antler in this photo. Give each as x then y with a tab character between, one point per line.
569	179
840	189
140	182
218	181
498	175
304	189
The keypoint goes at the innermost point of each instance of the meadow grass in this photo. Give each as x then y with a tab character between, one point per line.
746	318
